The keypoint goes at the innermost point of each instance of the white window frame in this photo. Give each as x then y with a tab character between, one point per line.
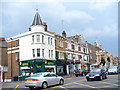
38	49
33	52
43	54
33	38
42	38
38	38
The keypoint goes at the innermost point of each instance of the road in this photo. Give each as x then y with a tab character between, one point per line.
111	83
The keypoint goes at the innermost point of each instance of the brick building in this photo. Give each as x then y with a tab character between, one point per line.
3	59
71	53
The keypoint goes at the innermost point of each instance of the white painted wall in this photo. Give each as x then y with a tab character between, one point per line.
26	45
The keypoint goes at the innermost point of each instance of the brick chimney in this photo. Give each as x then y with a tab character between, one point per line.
64	34
45	26
100	46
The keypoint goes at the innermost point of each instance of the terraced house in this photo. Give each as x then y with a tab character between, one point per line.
71	53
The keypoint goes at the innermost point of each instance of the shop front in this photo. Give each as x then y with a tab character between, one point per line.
30	67
61	67
70	64
77	64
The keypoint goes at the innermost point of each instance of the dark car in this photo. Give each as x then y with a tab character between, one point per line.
96	74
81	73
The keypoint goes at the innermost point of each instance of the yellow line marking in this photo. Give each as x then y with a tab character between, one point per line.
16	87
88	86
106	86
72	82
68	78
64	88
66	84
110	83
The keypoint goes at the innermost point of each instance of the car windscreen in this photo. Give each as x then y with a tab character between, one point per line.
36	75
95	70
113	67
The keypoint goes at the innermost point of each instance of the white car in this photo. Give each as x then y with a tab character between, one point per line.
113	69
43	79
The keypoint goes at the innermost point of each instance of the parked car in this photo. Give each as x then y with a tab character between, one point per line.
81	72
106	69
43	79
113	69
96	74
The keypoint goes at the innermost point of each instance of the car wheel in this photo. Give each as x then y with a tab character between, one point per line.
83	74
61	82
105	76
101	78
88	79
31	87
44	85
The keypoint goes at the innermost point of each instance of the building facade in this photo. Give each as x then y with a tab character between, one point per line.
3	59
31	52
71	53
92	49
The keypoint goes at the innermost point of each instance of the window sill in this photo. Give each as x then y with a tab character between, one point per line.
38	43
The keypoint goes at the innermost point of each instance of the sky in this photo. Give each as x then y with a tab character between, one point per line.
96	21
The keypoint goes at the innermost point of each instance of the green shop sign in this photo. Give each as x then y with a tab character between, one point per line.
49	62
24	63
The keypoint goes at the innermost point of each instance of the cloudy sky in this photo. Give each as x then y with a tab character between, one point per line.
96	21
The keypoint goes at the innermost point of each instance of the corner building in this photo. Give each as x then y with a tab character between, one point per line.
31	52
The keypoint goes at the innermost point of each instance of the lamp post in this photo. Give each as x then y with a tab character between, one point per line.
11	57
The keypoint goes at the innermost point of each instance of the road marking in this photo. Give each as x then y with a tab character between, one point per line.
68	78
16	87
64	88
88	86
72	82
106	86
109	83
66	84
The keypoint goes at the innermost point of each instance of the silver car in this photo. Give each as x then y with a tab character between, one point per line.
43	79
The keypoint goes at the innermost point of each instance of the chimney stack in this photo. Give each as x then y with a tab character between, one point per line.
100	47
64	34
45	26
95	44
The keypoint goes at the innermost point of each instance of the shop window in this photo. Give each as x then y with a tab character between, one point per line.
38	52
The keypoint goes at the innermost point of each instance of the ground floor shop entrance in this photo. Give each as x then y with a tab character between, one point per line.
30	67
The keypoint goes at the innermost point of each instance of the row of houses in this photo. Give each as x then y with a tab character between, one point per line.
40	50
